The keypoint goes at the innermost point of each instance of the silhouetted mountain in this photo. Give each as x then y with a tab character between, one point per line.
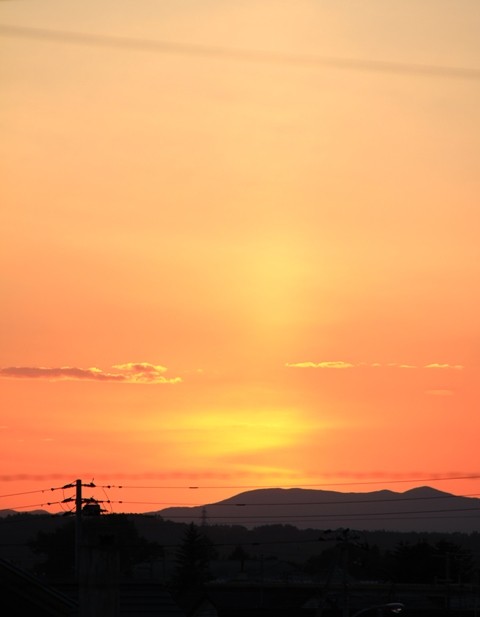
4	513
418	509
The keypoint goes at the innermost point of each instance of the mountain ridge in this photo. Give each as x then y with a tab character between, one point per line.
418	509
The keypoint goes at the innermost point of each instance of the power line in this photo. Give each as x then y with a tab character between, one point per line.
35	505
314	503
23	493
41	490
186	516
393	500
245	504
285	516
108	500
240	504
255	56
310	518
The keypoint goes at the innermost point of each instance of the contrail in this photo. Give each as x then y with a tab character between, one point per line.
256	56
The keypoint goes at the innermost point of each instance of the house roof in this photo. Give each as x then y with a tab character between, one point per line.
23	594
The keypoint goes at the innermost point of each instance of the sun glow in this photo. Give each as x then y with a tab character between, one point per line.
221	433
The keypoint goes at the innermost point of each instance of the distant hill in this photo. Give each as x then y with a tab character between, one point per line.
420	509
5	513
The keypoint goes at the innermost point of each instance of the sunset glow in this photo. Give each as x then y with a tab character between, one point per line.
239	247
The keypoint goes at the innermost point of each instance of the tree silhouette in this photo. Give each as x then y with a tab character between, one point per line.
193	558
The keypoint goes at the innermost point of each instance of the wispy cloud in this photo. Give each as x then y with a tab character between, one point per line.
327	364
341	364
396	365
131	372
457	367
439	392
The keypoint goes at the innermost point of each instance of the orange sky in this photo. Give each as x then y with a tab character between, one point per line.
228	269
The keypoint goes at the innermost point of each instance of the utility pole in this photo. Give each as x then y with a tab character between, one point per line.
78	527
344	538
79	501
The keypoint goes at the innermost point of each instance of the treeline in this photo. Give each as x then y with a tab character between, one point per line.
187	552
